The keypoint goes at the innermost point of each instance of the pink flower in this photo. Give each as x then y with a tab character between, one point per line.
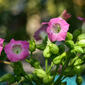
81	19
41	32
57	29
65	15
17	50
1	45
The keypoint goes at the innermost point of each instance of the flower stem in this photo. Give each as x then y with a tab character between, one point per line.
46	64
50	67
31	54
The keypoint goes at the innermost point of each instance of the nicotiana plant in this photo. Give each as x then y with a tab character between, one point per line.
64	55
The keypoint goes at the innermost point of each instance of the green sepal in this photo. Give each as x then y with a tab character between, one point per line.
40	46
35	63
32	45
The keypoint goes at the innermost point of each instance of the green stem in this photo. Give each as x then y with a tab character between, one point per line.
31	54
50	67
46	64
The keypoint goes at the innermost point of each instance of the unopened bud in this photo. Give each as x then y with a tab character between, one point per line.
69	36
77	49
81	36
47	52
40	73
78	62
79	80
70	44
58	59
81	43
53	48
78	69
47	79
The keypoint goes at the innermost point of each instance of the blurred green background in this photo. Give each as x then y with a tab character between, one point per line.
19	19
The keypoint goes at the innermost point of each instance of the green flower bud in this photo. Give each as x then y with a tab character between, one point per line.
53	48
78	62
70	44
77	49
32	45
40	73
81	43
73	60
57	60
40	46
79	80
69	36
35	63
77	69
47	79
6	77
69	72
81	36
47	52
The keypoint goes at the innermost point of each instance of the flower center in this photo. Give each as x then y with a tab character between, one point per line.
56	28
17	49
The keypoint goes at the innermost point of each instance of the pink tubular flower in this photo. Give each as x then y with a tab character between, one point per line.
1	45
17	50
65	15
41	32
81	19
57	29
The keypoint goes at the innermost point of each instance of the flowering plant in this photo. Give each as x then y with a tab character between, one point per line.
64	57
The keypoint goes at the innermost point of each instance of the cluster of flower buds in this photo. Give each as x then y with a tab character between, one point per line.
66	54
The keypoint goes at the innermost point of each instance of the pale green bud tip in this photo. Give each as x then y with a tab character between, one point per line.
81	43
46	52
40	73
81	36
53	48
